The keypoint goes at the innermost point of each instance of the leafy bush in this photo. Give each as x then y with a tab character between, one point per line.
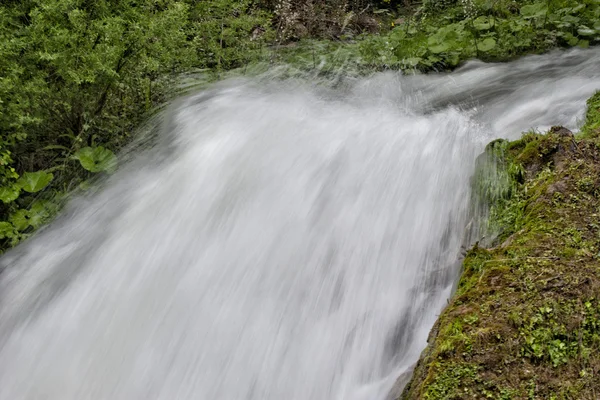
78	77
489	30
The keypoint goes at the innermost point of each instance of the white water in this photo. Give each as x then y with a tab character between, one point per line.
280	241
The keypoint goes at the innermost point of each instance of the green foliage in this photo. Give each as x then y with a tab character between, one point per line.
33	182
450	383
490	30
546	338
97	159
228	33
79	76
591	128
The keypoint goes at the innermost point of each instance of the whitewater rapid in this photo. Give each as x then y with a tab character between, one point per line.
278	239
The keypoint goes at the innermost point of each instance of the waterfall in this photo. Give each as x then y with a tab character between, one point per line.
279	239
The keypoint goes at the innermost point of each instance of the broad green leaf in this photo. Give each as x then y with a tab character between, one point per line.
486	44
33	182
453	60
437	45
597	26
20	219
482	23
583	43
571	40
585	31
40	211
412	61
439	48
7	230
533	10
97	159
570	19
9	193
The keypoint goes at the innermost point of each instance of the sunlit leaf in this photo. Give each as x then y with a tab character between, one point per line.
40	211
533	10
9	193
97	159
7	230
585	31
20	219
486	44
33	182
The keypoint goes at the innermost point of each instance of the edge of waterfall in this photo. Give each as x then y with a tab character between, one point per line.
524	320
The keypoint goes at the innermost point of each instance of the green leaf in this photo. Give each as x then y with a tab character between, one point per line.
570	20
7	230
20	219
453	60
571	40
9	193
585	31
437	45
439	48
33	182
486	44
40	212
533	10
97	159
482	23
583	43
412	61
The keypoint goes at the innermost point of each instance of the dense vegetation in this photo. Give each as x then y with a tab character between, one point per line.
525	321
77	77
445	33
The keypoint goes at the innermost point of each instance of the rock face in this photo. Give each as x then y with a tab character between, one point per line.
525	320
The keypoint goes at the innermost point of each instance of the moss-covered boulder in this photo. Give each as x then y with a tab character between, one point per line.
524	322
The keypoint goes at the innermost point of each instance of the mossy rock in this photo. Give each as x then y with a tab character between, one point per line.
524	322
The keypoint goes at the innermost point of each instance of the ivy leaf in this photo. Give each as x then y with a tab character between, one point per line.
33	182
9	193
7	230
486	44
97	159
482	23
20	219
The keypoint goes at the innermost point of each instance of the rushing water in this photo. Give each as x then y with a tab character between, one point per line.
280	240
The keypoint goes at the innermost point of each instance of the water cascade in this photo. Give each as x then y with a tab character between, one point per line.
279	240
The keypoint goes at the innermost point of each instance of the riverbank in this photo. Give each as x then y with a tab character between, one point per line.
524	321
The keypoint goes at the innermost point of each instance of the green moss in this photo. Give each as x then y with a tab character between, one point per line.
451	384
592	124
